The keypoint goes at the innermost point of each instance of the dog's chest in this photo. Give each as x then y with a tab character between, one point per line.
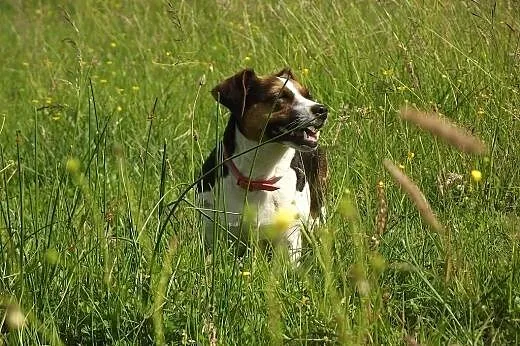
259	207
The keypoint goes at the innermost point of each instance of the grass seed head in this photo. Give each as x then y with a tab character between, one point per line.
378	263
52	256
415	195
347	207
444	129
15	318
72	166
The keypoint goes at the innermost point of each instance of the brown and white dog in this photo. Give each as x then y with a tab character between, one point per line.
271	160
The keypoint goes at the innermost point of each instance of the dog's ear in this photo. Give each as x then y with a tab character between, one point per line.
285	73
233	92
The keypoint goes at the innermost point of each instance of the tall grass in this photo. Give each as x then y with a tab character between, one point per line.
106	117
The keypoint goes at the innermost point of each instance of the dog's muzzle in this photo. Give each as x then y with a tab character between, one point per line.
304	134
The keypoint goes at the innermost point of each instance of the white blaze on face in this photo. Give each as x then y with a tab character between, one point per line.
301	104
302	109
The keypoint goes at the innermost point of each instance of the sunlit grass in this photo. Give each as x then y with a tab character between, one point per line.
106	116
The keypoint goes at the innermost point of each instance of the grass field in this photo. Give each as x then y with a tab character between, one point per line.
106	118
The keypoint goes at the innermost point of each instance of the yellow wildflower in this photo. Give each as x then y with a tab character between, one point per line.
247	59
113	44
476	175
410	155
119	108
388	73
305	71
135	88
284	218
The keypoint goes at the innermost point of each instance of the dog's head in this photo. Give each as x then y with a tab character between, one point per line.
275	106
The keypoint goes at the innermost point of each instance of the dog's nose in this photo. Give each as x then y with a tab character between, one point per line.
320	111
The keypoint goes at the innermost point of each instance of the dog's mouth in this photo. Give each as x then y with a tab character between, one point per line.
304	137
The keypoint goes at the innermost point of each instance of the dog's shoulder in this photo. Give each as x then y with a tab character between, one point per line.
208	174
312	167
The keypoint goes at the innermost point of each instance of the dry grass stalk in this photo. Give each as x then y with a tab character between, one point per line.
444	129
382	210
411	71
415	195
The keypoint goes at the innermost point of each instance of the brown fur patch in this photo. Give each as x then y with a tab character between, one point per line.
273	105
233	91
312	167
316	170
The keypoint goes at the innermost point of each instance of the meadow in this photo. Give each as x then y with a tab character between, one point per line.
107	117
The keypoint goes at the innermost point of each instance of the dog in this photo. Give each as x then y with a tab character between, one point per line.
268	161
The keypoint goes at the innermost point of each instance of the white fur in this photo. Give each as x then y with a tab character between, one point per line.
301	104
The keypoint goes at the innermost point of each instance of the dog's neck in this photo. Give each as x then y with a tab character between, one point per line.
272	159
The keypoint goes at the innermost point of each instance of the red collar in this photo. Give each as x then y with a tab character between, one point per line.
247	184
